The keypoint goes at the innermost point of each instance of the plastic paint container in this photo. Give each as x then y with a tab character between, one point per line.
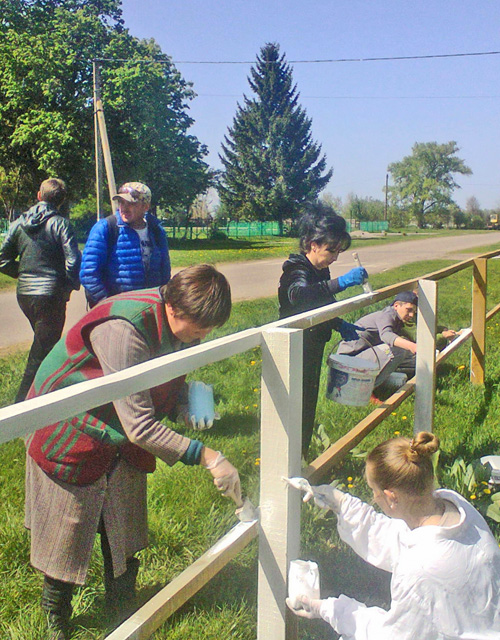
350	379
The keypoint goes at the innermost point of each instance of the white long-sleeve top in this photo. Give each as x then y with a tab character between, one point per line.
445	580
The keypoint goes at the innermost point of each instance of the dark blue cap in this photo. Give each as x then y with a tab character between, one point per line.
406	296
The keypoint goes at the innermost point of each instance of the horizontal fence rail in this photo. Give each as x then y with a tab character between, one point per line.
24	418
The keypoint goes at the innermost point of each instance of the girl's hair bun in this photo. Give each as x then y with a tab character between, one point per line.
423	445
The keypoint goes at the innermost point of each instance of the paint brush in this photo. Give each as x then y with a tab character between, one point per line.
367	287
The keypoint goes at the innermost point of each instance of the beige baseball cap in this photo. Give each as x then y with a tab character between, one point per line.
134	192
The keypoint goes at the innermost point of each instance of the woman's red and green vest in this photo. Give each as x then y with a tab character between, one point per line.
80	450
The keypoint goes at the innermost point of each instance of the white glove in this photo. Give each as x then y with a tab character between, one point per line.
325	496
226	478
201	412
308	608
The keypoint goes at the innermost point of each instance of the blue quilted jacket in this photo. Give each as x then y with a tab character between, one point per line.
107	270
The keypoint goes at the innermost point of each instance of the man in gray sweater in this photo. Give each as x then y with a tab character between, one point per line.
381	340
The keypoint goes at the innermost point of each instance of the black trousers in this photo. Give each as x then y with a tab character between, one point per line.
313	359
47	315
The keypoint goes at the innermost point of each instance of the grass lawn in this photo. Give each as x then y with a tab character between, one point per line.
187	252
187	515
184	253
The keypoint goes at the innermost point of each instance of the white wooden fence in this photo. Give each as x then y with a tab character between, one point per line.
279	524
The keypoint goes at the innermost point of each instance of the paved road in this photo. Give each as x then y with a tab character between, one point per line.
259	278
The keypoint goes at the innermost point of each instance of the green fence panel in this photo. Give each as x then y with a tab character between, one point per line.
374	226
251	229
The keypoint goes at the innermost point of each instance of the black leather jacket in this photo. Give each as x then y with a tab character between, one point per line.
49	258
302	288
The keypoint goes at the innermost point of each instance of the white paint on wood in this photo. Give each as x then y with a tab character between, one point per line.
21	419
281	429
426	356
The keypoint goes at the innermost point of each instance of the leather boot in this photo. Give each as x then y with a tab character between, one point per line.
56	602
120	591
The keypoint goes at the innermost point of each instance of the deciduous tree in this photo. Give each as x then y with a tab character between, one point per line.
424	182
46	109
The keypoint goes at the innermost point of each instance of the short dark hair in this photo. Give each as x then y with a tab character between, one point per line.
53	191
201	294
319	223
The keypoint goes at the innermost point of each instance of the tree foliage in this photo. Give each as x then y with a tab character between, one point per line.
424	182
363	209
46	107
271	164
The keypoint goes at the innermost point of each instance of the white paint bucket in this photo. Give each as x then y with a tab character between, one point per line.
350	379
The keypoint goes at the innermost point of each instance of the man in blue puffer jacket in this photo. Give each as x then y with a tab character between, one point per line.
126	251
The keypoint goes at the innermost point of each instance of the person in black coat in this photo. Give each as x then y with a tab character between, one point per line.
306	284
41	251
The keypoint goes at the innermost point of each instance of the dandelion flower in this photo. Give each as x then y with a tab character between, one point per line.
404	418
255	405
473	496
252	362
460	367
487	491
350	486
257	462
394	413
349	479
397	433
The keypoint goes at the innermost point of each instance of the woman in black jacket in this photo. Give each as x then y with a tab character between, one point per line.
306	284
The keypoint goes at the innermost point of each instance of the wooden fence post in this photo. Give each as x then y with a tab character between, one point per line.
425	386
281	434
478	321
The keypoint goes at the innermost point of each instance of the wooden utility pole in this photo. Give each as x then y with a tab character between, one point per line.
386	194
96	72
102	138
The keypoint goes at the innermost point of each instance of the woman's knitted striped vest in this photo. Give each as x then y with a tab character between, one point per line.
80	450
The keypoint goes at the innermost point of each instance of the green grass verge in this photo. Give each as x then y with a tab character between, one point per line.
187	515
184	253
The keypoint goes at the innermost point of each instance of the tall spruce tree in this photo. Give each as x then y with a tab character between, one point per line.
271	164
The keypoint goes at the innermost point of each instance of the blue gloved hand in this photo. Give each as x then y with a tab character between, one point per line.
355	276
201	412
348	331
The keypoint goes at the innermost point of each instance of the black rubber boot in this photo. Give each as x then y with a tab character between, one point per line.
120	591
56	602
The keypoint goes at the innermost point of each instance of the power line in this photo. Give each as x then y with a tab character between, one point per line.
306	97
319	61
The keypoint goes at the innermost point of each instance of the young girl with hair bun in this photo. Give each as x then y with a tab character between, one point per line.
444	560
306	284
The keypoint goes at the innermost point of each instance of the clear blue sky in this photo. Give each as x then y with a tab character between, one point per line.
364	114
